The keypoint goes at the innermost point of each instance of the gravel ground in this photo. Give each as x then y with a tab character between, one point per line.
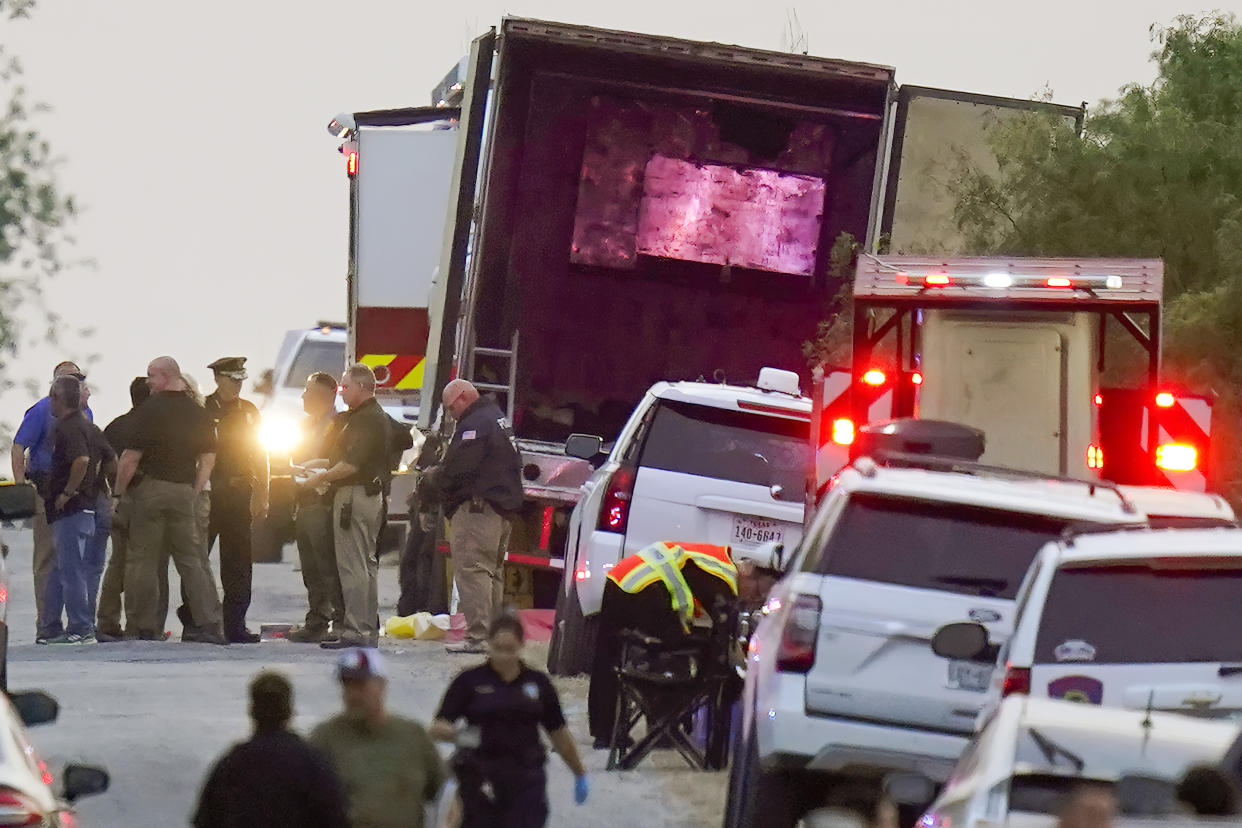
157	714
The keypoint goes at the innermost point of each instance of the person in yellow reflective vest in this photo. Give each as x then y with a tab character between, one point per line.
658	591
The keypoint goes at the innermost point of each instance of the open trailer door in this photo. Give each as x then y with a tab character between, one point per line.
446	290
933	131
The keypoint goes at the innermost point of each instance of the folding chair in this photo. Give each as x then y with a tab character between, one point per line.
667	685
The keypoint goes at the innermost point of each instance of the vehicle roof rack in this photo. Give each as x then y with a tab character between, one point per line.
1090	527
933	462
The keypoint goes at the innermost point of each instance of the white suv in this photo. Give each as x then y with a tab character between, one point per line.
1138	618
696	461
841	680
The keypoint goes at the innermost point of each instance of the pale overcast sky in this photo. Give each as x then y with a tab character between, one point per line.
215	203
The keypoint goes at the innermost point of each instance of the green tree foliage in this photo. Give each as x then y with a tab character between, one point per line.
1157	173
33	210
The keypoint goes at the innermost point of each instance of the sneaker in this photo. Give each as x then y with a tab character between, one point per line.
466	647
73	638
307	635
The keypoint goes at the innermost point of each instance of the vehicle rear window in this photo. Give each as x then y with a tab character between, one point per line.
1152	615
313	356
729	445
934	545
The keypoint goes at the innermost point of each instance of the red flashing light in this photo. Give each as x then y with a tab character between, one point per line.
1098	399
545	533
937	280
1177	457
1095	457
1165	400
614	512
916	378
1058	282
351	163
1017	681
843	432
582	574
874	377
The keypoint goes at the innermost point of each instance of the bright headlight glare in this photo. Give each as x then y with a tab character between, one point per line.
279	435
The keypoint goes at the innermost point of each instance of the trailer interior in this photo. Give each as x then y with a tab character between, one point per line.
645	196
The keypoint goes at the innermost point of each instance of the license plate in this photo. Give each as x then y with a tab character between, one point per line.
967	675
750	531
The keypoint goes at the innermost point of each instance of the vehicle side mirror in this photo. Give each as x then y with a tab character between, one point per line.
583	446
964	641
84	780
34	707
17	501
912	789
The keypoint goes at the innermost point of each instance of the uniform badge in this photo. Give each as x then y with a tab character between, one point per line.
469	435
1083	689
531	690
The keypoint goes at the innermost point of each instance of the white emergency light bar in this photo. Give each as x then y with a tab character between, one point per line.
944	280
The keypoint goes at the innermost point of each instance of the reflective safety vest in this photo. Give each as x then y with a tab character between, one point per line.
664	562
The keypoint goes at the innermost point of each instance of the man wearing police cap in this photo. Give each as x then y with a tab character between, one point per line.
239	490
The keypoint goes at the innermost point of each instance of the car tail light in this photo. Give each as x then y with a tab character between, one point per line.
796	653
1165	400
843	432
18	809
1017	681
1176	457
1058	282
937	279
614	511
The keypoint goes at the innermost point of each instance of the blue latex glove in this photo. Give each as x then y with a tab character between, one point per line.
581	789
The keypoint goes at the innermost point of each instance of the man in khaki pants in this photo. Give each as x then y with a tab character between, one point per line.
357	463
174	448
481	483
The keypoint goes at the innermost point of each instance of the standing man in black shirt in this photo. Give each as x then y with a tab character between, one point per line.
120	435
276	779
481	484
357	459
239	491
313	525
77	457
175	449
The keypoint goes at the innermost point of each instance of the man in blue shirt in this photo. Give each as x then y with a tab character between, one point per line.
34	437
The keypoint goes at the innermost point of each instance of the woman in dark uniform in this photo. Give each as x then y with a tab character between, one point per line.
500	757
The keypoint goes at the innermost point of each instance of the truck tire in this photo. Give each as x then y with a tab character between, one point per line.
759	798
572	647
